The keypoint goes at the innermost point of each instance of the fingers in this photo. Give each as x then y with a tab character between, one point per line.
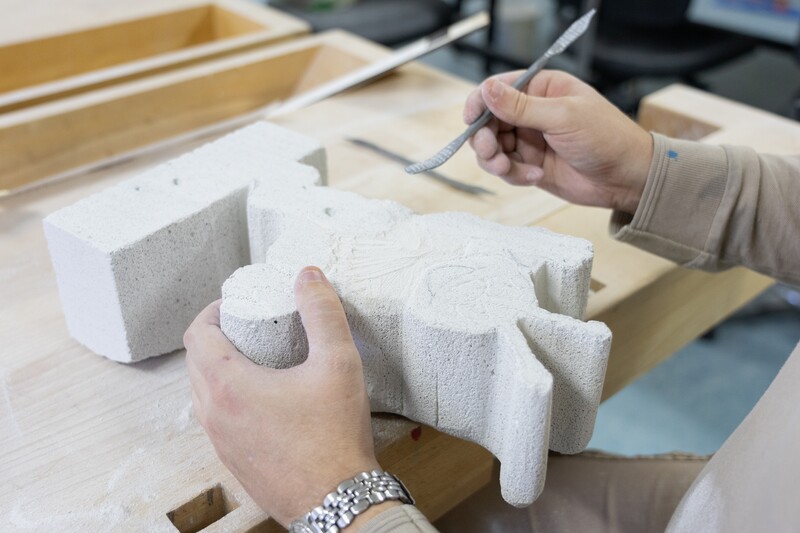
475	105
499	164
512	169
494	138
523	110
548	84
497	154
507	141
208	351
205	342
512	144
209	315
485	141
322	315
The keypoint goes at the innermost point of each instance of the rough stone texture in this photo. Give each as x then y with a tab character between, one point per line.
136	263
465	325
462	324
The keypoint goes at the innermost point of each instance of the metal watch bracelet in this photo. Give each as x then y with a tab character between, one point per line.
351	498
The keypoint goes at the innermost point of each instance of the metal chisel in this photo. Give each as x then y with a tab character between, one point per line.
450	182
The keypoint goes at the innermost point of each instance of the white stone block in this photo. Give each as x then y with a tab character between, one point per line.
465	325
136	263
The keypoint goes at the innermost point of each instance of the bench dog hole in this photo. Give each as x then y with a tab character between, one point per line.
596	286
202	510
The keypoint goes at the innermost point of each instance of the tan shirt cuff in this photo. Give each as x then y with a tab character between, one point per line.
684	189
403	519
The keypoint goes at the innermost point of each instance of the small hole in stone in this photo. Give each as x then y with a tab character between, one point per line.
275	321
175	181
329	211
136	188
202	511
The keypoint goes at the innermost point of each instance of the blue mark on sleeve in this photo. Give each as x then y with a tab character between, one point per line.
672	154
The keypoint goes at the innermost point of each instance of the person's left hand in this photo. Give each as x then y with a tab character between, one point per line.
289	436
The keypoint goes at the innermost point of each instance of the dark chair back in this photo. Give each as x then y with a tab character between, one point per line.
636	15
643	14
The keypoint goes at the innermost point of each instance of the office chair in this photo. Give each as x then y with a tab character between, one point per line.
796	104
652	38
389	22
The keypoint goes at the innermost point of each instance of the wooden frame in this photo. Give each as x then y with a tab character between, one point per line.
55	137
116	50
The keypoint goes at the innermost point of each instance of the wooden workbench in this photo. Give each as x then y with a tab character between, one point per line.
87	444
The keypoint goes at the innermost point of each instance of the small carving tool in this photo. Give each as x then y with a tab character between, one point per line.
450	182
567	38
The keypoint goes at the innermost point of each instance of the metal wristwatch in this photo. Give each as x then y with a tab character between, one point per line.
351	498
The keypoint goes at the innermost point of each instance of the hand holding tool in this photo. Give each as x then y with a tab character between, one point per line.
567	38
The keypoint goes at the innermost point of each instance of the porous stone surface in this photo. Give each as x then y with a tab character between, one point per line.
463	324
137	262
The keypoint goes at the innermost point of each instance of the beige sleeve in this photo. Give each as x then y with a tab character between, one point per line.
751	482
402	519
714	207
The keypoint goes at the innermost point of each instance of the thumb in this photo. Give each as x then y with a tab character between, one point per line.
520	109
322	314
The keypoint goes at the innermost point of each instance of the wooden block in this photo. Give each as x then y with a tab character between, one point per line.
109	50
688	113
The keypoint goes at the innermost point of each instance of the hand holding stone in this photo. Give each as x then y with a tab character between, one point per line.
289	436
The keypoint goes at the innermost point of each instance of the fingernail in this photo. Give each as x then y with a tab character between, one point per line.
311	274
534	175
495	90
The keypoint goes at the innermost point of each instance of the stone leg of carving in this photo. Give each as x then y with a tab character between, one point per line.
576	354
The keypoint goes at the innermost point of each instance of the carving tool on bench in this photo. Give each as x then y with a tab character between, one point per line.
567	38
450	182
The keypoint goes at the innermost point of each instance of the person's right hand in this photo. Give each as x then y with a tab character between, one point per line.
562	136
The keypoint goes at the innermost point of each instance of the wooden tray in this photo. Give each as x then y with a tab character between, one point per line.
48	139
135	45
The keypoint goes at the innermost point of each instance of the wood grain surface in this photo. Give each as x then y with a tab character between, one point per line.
137	39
